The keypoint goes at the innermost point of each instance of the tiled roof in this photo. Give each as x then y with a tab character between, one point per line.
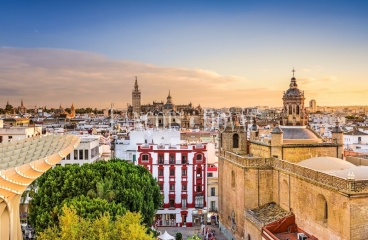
355	132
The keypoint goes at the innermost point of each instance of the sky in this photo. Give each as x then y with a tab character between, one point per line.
213	53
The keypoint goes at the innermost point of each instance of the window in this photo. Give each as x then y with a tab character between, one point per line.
199	187
172	203
199	172
161	186
322	209
290	110
145	157
184	172
183	202
160	172
10	138
1	139
210	174
160	159
94	152
172	172
75	154
199	157
233	179
359	139
172	187
184	159
213	191
67	157
199	201
297	109
80	154
184	187
85	154
172	159
213	206
235	140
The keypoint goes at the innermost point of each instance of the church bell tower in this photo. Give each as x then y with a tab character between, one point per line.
294	112
136	98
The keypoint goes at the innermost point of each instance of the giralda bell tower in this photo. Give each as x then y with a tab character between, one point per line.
136	98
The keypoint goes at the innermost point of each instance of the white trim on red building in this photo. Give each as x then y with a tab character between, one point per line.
181	172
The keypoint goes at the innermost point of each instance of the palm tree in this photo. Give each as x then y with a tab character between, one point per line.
103	190
28	194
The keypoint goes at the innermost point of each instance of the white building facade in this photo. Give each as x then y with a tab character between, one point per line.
16	133
88	151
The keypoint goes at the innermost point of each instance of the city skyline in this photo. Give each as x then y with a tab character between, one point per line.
215	54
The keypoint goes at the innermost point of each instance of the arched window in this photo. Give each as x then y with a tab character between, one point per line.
199	172
290	109
322	209
232	179
199	157
297	109
235	140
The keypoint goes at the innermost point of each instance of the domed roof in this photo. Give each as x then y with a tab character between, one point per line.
293	92
169	104
326	164
298	132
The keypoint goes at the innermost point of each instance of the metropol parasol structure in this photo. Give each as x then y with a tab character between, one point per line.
22	162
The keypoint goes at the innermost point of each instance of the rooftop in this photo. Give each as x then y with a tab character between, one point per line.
268	213
326	164
298	132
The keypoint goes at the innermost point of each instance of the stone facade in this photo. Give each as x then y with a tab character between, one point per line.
324	205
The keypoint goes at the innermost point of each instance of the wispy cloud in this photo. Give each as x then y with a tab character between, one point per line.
51	76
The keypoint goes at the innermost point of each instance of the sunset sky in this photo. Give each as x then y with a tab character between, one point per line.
216	53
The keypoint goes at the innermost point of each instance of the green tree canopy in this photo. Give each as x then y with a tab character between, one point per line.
134	187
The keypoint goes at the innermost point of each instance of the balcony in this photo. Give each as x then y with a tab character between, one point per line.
213	209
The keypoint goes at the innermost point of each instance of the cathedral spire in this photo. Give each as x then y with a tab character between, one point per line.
136	84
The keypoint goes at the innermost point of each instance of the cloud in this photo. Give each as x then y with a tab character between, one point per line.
52	76
305	70
48	77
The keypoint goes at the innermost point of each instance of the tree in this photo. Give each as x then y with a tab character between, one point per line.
134	187
72	226
178	236
29	192
103	190
194	238
8	108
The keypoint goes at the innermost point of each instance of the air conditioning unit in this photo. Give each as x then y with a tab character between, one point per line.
302	236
